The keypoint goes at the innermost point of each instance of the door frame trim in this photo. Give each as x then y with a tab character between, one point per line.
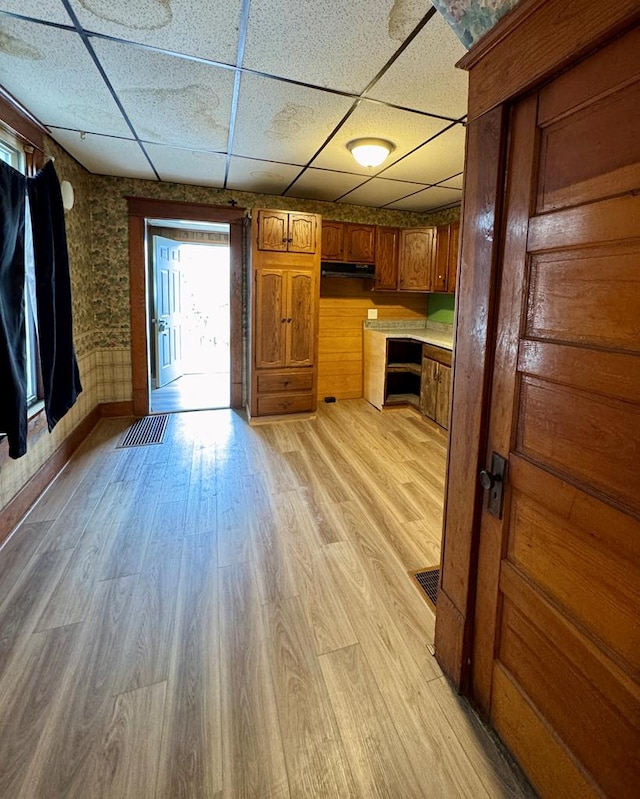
141	208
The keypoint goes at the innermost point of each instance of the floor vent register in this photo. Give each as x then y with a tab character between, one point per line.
427	580
148	430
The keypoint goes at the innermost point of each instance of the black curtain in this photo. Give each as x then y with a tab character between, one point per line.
13	355
60	374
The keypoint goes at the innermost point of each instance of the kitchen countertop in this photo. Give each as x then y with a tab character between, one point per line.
438	334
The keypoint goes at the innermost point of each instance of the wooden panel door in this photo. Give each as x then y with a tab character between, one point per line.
270	318
302	233
167	279
332	241
360	243
387	245
416	252
300	324
273	230
557	637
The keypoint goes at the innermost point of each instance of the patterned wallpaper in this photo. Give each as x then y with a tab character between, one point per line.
110	253
471	19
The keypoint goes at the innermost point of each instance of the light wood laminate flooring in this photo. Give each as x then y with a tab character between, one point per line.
228	615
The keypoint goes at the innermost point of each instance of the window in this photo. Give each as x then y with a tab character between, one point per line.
12	152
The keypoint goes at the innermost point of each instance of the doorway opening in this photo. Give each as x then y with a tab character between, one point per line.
141	211
188	315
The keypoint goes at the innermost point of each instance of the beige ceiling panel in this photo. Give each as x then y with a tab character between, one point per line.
428	200
425	76
187	166
438	160
105	155
454	183
334	44
170	100
279	121
403	128
48	10
51	73
379	192
209	30
248	174
321	184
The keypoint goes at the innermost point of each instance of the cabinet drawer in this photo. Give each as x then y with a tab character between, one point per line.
439	354
270	384
284	403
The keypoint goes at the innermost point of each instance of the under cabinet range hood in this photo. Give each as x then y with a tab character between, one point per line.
333	269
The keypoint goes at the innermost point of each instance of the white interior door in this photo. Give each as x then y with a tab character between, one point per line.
167	278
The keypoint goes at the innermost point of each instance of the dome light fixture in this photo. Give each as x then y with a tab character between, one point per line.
370	152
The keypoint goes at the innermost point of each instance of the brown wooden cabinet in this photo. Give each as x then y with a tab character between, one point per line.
287	231
284	323
445	260
387	251
348	242
435	385
415	259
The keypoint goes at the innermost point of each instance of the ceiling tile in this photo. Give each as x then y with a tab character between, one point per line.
439	159
187	166
48	10
264	177
51	73
209	30
105	155
379	192
323	184
405	129
333	44
454	182
425	76
279	121
170	100
428	200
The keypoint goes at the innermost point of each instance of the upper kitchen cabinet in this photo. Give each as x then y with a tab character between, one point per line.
415	261
445	261
348	242
387	250
284	231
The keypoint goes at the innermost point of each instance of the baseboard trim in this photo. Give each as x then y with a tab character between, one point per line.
17	508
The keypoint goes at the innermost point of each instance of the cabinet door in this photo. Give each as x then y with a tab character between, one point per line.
332	241
273	230
387	242
444	391
300	317
454	244
360	243
302	233
429	388
416	252
270	320
440	271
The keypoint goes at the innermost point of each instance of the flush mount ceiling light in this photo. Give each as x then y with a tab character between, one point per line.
370	152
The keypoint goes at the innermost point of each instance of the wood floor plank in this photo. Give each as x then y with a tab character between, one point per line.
17	551
125	763
314	753
62	764
29	688
191	760
254	766
378	760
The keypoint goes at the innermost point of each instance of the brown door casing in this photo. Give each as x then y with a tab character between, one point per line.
141	208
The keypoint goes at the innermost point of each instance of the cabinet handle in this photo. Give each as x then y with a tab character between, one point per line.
289	320
283	321
290	241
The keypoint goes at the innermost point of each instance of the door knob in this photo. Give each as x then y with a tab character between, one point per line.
493	482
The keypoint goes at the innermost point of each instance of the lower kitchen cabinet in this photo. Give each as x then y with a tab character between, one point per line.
435	386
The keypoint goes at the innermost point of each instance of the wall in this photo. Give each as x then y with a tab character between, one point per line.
440	308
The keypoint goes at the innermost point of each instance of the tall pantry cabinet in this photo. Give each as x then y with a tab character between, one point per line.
284	290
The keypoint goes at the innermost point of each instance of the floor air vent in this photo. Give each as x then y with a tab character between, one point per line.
427	580
148	430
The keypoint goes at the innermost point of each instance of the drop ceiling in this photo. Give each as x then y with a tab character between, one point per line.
251	95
